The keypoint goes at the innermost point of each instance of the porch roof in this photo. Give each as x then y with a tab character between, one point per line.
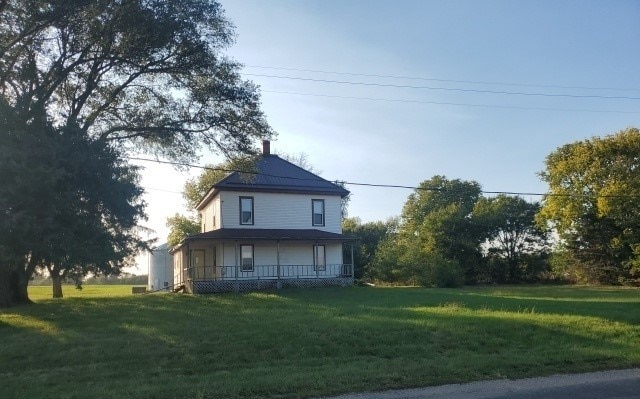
268	234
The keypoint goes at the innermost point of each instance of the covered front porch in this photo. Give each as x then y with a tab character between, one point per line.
231	279
229	260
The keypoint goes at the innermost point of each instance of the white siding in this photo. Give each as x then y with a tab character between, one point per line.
295	257
280	211
178	275
229	253
209	219
301	253
291	253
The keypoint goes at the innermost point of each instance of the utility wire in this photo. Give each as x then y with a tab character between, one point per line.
441	80
377	185
346	82
450	103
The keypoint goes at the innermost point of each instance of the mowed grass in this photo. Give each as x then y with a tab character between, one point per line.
38	293
306	343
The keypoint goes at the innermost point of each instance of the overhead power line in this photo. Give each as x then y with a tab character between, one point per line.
417	78
449	103
388	85
376	184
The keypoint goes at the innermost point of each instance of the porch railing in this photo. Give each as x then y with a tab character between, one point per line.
270	272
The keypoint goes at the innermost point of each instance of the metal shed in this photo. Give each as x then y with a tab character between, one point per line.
160	268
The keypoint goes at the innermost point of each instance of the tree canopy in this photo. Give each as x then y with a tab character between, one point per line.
181	227
438	215
594	205
71	205
83	84
515	244
449	233
435	243
145	75
368	235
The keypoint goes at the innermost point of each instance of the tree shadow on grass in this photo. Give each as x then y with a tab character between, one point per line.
616	305
301	342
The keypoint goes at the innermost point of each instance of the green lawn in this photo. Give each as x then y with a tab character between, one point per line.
38	293
103	342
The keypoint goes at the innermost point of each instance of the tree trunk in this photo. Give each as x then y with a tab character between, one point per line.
56	279
13	287
6	295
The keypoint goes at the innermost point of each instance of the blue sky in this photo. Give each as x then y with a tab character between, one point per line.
564	50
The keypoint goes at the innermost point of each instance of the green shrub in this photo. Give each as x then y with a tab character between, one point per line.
437	271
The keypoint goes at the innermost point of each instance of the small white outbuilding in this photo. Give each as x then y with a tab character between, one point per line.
160	269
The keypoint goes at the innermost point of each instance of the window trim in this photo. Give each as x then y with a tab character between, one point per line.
253	214
318	267
253	259
313	214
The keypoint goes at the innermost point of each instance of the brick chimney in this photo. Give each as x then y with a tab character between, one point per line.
266	147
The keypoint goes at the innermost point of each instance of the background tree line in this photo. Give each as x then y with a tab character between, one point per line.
586	229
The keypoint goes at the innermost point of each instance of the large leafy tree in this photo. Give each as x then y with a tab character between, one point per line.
124	76
145	75
78	215
438	215
515	244
436	233
594	205
28	172
97	205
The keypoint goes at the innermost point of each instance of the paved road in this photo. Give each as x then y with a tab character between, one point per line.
615	384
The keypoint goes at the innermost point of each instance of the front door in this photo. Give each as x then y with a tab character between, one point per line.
197	264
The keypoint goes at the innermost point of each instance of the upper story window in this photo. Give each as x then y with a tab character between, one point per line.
246	210
317	206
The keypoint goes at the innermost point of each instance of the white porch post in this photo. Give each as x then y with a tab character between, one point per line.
188	262
315	258
236	259
279	284
353	266
236	287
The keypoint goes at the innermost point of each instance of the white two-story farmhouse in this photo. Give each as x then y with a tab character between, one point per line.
277	227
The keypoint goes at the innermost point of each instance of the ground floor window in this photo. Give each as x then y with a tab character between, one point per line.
246	258
319	260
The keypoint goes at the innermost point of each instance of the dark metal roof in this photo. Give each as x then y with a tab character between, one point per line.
276	174
269	234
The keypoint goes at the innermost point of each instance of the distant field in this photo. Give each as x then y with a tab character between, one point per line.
38	293
104	342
